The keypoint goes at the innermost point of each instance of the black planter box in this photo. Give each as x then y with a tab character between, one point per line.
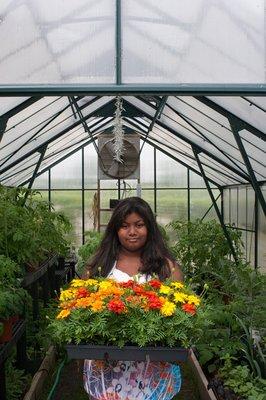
126	353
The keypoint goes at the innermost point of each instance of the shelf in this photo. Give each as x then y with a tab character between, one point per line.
32	277
126	353
18	330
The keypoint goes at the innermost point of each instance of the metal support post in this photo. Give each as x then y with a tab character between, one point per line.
236	127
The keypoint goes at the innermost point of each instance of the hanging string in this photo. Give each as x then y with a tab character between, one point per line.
118	143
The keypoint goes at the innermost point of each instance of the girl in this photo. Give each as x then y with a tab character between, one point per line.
132	246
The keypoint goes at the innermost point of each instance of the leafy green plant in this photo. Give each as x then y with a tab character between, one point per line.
12	302
29	230
200	247
240	380
16	381
10	272
86	251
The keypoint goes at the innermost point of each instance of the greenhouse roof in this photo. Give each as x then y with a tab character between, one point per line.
192	80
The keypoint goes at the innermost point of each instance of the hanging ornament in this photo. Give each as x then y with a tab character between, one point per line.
118	131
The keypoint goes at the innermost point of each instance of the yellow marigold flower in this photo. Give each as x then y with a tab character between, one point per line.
192	299
90	282
180	297
83	302
97	305
164	289
177	285
63	314
67	295
77	282
105	285
168	308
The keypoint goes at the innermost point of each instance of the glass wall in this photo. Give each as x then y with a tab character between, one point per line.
241	211
173	191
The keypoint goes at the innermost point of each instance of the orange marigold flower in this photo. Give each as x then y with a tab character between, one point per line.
117	306
189	308
97	305
84	302
63	314
82	292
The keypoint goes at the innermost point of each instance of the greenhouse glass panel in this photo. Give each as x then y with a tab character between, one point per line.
244	109
226	206
69	201
196	181
90	204
171	205
67	174
148	195
7	103
242	207
90	167
250	250
201	204
146	166
41	182
177	177
262	235
231	34
105	196
250	208
234	206
57	42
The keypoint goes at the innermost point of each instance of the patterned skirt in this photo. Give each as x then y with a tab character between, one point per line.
131	380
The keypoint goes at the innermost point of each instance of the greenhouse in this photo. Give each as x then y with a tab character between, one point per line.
161	101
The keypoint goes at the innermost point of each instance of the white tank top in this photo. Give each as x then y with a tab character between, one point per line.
121	276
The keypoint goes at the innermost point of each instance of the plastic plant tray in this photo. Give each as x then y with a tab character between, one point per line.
129	353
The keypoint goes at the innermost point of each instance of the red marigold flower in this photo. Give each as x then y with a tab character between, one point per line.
82	292
189	308
155	303
128	284
155	283
138	289
117	306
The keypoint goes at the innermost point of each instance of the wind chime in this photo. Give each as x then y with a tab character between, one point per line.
118	142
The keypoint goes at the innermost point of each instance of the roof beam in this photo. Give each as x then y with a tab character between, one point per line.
135	89
228	114
37	148
181	136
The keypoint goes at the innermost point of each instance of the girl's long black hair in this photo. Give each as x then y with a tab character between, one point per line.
155	255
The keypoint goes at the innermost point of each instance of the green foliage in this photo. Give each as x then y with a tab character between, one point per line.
16	381
12	301
10	272
137	328
236	293
29	230
241	381
86	251
201	246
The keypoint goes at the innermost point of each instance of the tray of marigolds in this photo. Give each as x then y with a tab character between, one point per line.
101	318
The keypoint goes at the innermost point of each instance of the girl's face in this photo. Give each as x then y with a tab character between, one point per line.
133	233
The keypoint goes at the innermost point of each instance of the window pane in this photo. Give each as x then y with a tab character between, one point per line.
70	203
67	174
178	175
171	204
200	203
